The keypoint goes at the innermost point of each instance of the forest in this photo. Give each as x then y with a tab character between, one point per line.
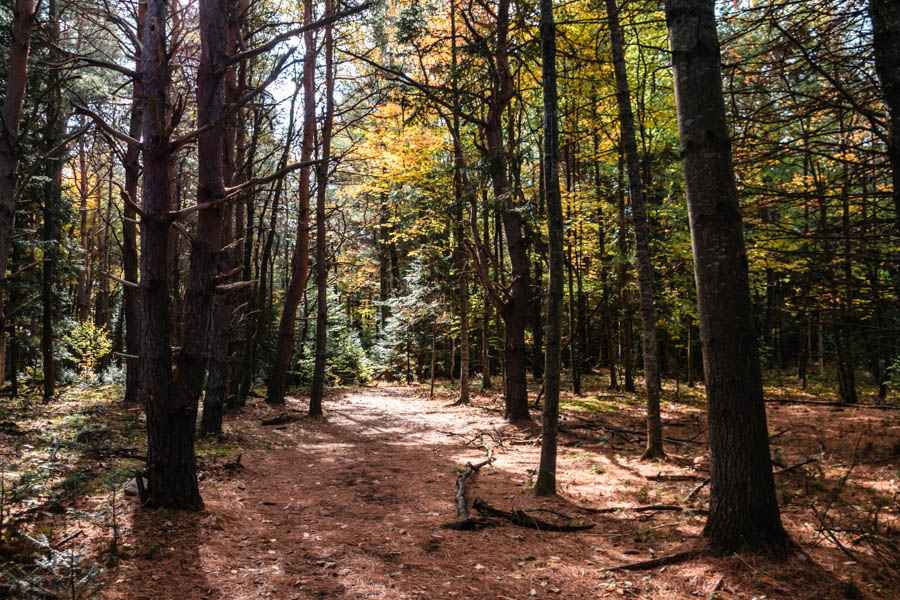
449	299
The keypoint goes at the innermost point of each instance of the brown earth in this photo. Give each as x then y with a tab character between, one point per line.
353	506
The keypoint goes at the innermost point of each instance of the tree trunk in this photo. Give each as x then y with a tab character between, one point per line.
546	480
515	310
322	173
641	236
171	463
132	296
885	15
16	82
486	315
284	351
55	129
743	508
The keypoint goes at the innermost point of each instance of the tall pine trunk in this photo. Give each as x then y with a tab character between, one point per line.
885	15
322	173
16	82
284	350
131	305
546	481
641	235
743	508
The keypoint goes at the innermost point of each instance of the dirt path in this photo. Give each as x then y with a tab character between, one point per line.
352	507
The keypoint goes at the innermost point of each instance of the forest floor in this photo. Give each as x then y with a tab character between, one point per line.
353	505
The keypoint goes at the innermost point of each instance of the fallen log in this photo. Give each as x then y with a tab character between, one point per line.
462	509
523	519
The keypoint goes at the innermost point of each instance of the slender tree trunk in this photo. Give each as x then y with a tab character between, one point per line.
546	481
622	281
743	508
322	173
54	131
260	304
641	236
486	314
284	350
462	256
16	82
131	295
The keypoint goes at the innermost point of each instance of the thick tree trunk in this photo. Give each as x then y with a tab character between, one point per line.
208	236
284	350
514	310
743	509
641	236
322	173
885	15
546	480
171	463
16	81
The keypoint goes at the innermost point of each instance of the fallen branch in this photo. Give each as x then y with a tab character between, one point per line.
662	561
705	482
281	419
523	519
460	497
647	508
472	524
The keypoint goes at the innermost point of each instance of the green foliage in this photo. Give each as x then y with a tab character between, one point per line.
88	344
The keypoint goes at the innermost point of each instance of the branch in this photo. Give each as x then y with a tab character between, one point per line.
106	127
233	287
240	56
129	284
232	191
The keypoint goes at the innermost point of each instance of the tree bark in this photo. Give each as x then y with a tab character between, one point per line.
885	15
743	509
322	173
514	311
55	129
16	82
641	235
284	351
546	480
207	240
171	463
132	296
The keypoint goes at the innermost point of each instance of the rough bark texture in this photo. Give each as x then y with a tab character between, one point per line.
17	79
284	351
54	131
131	296
885	16
514	310
641	235
322	172
743	510
546	480
207	239
171	464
